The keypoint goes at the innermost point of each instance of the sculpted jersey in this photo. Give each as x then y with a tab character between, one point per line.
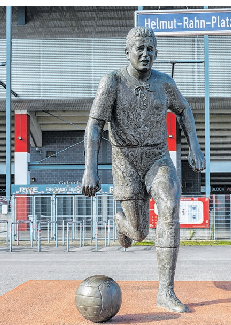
136	111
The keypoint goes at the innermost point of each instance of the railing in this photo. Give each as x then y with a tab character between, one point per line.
48	224
75	225
15	232
5	231
220	214
67	227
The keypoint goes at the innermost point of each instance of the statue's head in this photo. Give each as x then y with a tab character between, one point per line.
141	48
136	32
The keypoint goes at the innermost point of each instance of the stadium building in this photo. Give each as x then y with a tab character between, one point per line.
59	54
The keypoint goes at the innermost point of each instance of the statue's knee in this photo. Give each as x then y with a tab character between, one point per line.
137	218
168	210
172	204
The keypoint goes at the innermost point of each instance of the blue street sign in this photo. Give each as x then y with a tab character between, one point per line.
185	22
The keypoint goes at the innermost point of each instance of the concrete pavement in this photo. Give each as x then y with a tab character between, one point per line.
138	263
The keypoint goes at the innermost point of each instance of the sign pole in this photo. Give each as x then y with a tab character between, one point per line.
8	99
207	116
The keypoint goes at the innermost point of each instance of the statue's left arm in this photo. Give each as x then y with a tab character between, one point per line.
196	158
179	106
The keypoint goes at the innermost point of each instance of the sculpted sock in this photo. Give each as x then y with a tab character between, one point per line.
166	298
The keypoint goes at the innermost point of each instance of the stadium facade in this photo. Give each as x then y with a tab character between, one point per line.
59	55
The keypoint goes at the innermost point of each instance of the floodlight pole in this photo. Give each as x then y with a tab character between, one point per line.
8	99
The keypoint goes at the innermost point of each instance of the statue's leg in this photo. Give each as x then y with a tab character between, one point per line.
133	222
165	190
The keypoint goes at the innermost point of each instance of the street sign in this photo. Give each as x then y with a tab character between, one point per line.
185	22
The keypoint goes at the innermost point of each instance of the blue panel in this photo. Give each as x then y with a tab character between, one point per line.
55	189
37	166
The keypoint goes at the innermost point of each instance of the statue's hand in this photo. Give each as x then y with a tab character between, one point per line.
90	183
196	160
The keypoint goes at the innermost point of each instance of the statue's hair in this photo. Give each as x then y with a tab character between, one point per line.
139	32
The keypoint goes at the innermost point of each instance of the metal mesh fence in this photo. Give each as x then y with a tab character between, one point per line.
82	220
220	211
59	218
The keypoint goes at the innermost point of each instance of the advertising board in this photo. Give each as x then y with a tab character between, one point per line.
194	213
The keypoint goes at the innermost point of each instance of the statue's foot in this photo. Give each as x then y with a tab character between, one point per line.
167	299
124	240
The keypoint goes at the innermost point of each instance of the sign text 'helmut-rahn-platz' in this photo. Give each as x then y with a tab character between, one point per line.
186	21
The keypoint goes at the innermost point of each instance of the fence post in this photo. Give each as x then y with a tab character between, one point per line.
83	233
68	236
56	237
72	238
214	219
114	230
75	228
63	228
7	233
34	216
91	229
105	234
39	237
109	233
11	239
36	232
48	232
31	234
96	236
80	234
17	233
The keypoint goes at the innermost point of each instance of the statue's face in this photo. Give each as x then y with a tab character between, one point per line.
142	54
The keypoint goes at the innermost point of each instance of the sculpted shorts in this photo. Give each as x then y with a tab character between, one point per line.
134	170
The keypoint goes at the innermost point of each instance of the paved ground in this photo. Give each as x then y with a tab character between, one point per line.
53	303
138	263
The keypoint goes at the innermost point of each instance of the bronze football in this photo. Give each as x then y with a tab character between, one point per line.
98	298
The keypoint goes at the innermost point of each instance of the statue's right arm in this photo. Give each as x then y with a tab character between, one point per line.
100	113
92	139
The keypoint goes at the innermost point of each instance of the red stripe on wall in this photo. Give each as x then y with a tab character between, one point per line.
171	131
23	211
22	133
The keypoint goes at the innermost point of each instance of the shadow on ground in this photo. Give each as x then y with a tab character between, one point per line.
142	318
